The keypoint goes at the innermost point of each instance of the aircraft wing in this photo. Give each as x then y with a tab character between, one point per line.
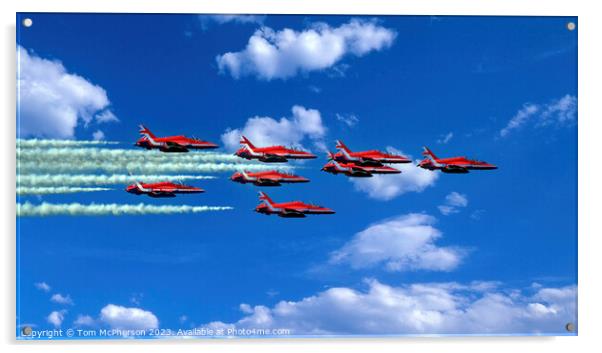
161	193
292	213
456	168
171	146
273	157
360	171
371	161
269	182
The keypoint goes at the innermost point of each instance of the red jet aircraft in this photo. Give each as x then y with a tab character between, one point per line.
352	169
171	143
162	189
267	178
271	154
453	165
293	209
372	157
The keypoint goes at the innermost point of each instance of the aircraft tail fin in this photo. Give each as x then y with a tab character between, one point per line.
341	146
263	196
245	141
330	155
145	131
428	152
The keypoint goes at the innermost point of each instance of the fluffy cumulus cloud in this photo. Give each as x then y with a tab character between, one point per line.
559	112
61	299
402	243
454	201
262	131
230	18
271	54
84	320
56	318
120	317
43	286
52	101
387	187
98	135
428	308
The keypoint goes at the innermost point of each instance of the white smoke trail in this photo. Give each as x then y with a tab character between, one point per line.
32	143
39	180
44	190
146	168
105	154
112	209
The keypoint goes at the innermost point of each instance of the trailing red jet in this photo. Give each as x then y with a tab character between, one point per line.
162	189
267	178
353	169
271	154
372	157
293	209
171	143
453	165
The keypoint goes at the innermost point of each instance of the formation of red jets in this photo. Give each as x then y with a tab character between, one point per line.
363	164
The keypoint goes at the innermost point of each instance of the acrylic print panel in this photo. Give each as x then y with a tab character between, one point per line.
214	176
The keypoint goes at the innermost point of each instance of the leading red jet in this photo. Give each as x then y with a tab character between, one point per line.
453	165
353	169
267	178
162	189
372	157
271	154
178	143
293	209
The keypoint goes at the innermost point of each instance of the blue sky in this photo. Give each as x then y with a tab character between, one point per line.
501	89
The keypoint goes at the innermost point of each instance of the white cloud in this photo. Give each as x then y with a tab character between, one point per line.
272	54
120	317
56	318
84	320
264	131
559	112
43	286
61	299
387	187
403	243
314	89
207	20
428	308
51	101
98	135
453	202
445	138
221	19
521	117
106	117
348	119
